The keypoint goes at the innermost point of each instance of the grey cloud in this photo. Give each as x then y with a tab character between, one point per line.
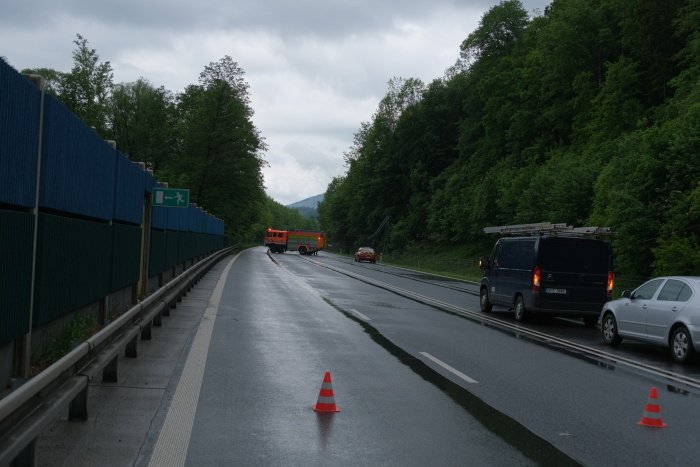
302	17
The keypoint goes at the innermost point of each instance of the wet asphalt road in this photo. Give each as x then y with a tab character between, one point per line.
275	337
415	385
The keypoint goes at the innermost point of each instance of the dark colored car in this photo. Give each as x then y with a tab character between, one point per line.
562	276
366	253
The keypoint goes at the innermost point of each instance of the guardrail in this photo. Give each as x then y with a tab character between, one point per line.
27	411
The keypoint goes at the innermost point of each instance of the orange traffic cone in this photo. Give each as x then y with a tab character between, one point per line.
326	398
652	412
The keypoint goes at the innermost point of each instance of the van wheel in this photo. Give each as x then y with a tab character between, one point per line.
608	330
302	250
519	309
484	303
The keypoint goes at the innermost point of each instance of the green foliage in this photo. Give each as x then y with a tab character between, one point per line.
85	90
279	217
677	255
141	121
458	262
219	151
588	115
499	28
77	331
53	79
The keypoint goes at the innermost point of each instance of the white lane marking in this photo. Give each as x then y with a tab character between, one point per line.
174	437
449	368
360	315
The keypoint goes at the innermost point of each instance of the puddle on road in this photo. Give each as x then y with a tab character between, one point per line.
508	429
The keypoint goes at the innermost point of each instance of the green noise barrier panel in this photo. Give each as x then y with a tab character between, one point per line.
157	253
126	255
171	241
73	267
16	234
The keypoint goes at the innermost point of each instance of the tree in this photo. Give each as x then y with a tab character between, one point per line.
53	79
141	120
86	88
498	30
220	150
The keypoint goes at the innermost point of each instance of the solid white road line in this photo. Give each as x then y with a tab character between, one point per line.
174	437
449	368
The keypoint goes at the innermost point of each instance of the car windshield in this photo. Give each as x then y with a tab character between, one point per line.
366	250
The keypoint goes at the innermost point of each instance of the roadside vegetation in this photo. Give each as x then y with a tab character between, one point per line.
460	262
586	114
77	331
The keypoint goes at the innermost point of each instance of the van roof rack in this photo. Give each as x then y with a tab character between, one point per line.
548	228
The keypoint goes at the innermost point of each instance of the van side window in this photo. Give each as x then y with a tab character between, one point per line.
522	256
517	254
505	259
494	256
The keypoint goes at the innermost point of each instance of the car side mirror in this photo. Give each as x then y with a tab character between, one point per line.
626	294
484	262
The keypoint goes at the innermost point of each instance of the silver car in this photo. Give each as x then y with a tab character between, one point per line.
663	311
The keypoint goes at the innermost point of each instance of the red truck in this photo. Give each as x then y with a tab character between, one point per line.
306	242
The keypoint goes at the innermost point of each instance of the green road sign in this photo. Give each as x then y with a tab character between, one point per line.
170	197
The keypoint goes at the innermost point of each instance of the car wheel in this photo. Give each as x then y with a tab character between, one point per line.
681	345
519	309
484	302
608	330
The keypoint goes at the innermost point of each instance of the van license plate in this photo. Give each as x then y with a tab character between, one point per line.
557	291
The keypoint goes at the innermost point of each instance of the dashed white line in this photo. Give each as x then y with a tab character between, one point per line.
360	315
449	368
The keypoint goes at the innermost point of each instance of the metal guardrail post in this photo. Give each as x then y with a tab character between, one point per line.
109	372
146	331
131	350
78	406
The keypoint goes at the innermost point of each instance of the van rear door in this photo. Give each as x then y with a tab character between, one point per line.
574	273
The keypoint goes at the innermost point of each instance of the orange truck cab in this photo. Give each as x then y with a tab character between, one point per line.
276	240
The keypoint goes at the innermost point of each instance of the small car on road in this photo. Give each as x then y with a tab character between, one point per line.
365	253
664	311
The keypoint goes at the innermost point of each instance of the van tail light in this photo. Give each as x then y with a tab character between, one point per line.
610	283
536	278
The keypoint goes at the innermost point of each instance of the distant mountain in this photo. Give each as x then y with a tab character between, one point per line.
307	207
308	202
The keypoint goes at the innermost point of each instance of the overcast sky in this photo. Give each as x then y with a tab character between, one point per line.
316	69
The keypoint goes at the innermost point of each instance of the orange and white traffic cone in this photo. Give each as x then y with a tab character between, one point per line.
652	412
326	397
